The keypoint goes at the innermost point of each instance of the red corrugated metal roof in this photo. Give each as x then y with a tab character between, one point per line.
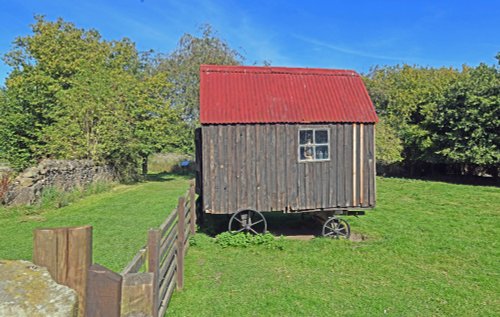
249	94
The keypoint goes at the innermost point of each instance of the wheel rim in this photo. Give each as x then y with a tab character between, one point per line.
336	228
248	221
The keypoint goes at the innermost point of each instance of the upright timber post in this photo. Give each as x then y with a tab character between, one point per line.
181	221
154	265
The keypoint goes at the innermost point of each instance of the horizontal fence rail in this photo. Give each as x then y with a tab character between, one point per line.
145	285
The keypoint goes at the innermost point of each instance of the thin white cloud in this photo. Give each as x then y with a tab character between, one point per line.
350	51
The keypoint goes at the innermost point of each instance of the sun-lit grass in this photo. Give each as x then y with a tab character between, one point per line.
120	219
432	249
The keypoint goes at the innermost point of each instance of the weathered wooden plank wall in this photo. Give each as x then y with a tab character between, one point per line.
257	167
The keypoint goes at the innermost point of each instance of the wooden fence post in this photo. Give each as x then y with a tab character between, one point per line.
137	295
181	221
104	288
67	255
192	207
154	265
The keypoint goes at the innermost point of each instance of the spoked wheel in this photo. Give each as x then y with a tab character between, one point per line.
336	228
248	221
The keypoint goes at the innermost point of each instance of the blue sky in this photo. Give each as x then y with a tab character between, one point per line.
327	34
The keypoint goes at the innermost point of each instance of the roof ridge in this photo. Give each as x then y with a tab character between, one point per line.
277	70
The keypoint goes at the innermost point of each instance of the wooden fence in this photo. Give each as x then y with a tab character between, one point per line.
143	288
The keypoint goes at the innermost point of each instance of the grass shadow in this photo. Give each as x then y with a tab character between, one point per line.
166	177
278	224
453	179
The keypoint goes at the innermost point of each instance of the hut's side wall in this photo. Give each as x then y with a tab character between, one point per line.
257	167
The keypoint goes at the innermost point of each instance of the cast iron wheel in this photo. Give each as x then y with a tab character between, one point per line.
248	221
336	228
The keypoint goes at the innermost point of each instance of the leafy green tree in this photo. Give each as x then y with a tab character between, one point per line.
389	146
183	68
407	97
467	122
73	95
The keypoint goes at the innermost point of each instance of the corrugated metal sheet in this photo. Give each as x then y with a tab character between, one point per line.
249	94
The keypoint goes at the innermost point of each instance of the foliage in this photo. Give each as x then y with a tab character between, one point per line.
389	147
407	98
73	95
467	123
183	68
440	115
241	239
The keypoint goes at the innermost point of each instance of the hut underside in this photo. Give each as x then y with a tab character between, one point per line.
261	167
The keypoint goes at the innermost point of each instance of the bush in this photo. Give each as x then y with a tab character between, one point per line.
243	240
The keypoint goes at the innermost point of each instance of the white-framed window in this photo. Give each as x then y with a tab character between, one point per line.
314	144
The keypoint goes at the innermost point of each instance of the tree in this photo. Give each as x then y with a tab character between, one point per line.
467	122
73	95
183	68
407	98
389	146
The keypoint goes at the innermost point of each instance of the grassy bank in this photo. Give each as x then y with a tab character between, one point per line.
120	217
430	249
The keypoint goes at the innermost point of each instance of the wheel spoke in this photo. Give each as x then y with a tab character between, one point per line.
236	218
253	224
329	233
240	230
253	230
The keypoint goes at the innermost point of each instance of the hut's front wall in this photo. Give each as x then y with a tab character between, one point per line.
257	167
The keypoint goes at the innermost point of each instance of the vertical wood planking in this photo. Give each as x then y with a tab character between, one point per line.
79	260
154	265
67	254
180	242
280	168
354	164
221	168
257	167
45	250
273	192
262	168
340	166
232	169
250	166
243	177
348	163
291	139
213	162
362	164
237	167
192	210
137	295
332	168
374	168
104	292
266	165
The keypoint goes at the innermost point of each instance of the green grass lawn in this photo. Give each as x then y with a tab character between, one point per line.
120	220
431	249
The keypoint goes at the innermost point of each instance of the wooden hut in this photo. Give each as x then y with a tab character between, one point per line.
276	139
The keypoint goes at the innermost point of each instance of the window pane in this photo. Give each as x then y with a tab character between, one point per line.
321	136
306	153
306	136
322	152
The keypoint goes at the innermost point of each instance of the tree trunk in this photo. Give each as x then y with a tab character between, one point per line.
144	165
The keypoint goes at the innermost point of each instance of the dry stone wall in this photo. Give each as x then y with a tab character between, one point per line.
65	175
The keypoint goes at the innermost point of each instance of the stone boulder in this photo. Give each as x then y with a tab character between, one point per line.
27	290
